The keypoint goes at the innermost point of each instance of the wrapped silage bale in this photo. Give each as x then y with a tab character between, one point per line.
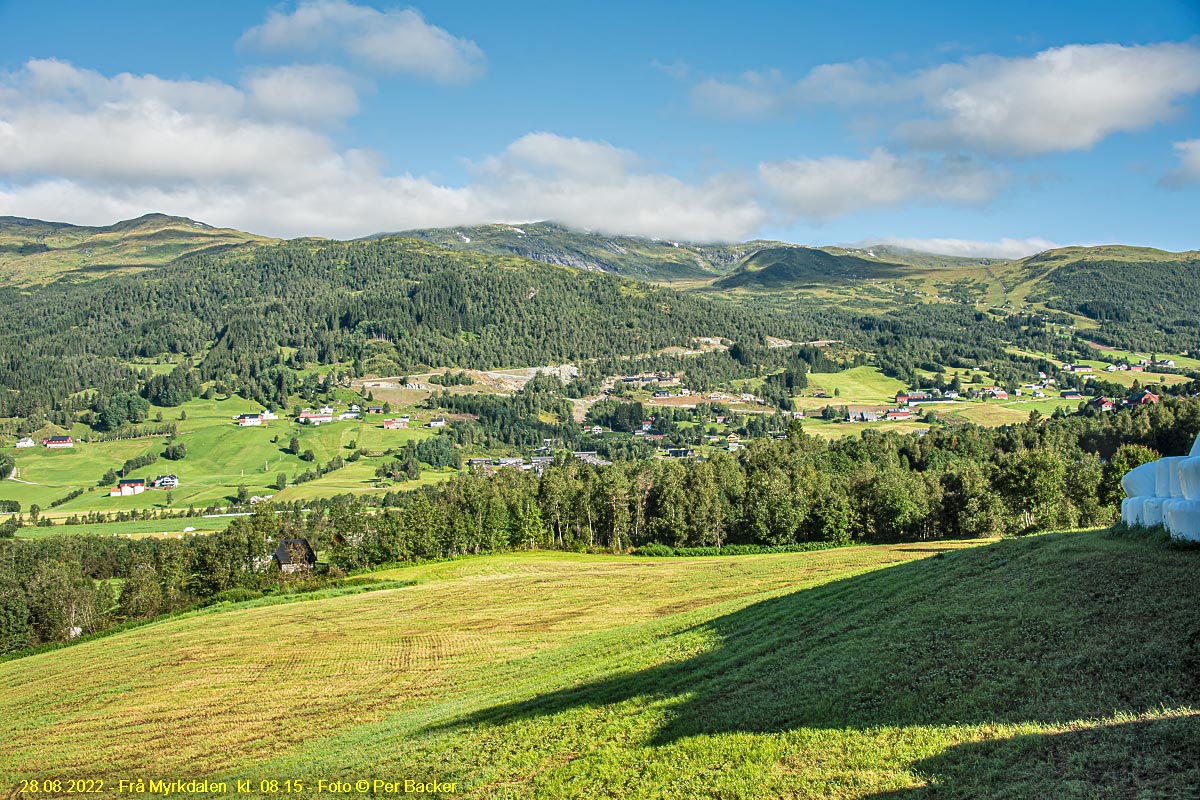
1152	511
1189	478
1183	520
1141	481
1165	475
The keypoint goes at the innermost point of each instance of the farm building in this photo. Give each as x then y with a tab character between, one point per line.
166	482
246	420
310	417
26	442
437	422
57	442
127	487
1143	398
294	555
397	424
898	414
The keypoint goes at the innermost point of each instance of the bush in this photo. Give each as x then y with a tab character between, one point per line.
234	596
661	550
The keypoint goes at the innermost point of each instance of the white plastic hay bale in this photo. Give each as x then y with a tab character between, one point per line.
1189	478
1183	520
1141	481
1152	512
1164	475
1132	513
1124	510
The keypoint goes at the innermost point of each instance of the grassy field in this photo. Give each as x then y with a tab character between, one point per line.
221	456
856	385
1055	666
137	529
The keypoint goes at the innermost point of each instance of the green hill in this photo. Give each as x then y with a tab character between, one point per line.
1054	666
631	256
807	267
32	251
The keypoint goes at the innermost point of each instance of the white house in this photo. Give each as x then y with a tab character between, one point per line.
437	422
268	415
26	442
247	420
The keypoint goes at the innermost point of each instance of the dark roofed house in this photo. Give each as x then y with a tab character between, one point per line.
294	555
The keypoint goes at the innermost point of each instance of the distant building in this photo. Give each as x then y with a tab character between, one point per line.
246	420
26	442
898	414
1143	398
374	409
127	487
1102	404
295	555
268	415
309	417
395	424
58	442
166	482
437	422
1070	395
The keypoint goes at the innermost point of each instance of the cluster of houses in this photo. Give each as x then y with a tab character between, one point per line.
916	397
489	465
1142	398
327	414
127	487
1142	365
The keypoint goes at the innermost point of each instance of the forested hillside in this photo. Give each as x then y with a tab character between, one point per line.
408	304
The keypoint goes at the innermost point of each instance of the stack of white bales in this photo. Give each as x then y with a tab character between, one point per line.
1165	492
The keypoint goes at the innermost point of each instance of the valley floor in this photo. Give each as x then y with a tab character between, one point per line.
1062	665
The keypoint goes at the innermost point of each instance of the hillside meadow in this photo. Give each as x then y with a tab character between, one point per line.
1059	665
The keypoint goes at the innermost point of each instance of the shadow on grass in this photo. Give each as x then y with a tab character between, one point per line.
1049	630
1157	758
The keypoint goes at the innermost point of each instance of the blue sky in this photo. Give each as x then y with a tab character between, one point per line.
995	129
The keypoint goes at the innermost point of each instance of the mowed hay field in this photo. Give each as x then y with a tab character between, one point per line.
1063	665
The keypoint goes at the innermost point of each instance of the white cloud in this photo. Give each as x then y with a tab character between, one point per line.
971	248
1065	98
1188	171
823	188
79	146
394	41
597	186
1061	99
304	92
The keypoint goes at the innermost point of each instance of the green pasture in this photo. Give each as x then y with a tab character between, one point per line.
1053	666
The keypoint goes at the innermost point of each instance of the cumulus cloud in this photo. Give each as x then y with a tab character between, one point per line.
970	248
393	41
1188	171
1061	99
823	188
77	145
307	92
